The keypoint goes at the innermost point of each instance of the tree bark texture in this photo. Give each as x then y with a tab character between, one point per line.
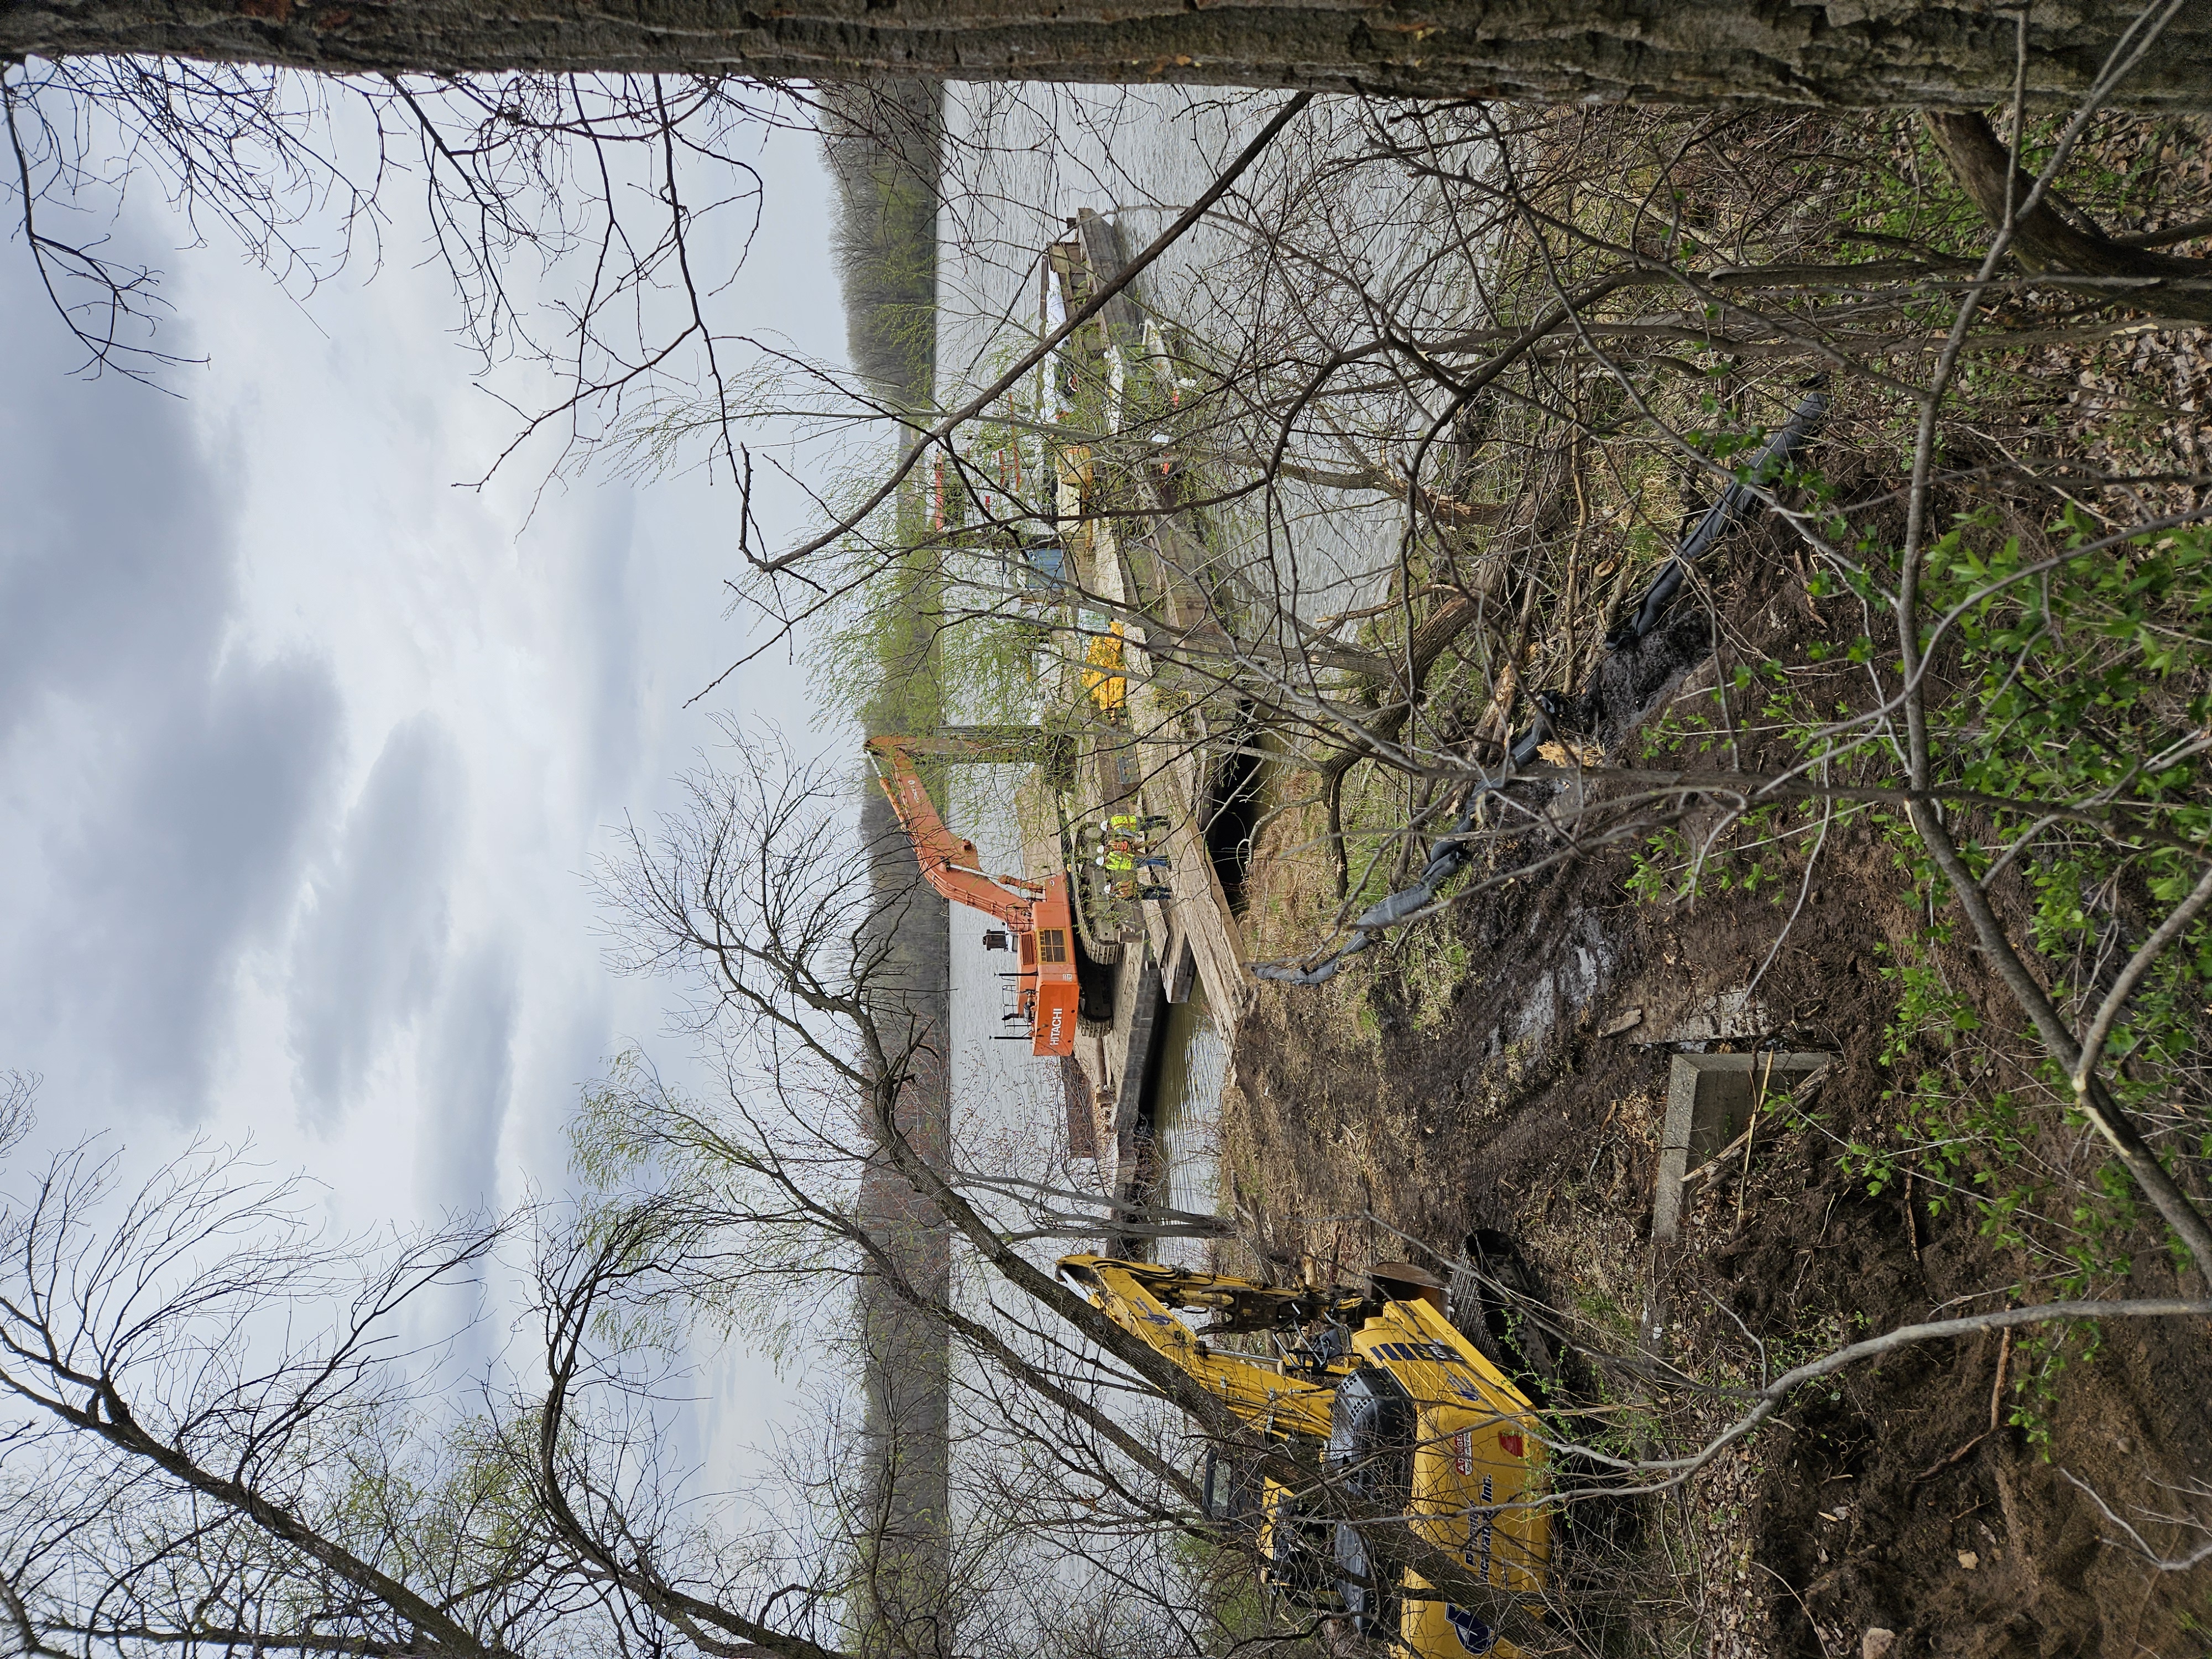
1950	54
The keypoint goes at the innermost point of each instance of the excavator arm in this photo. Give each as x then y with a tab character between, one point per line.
950	863
1049	995
1137	1296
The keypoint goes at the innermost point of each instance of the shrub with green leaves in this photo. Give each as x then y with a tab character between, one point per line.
2069	696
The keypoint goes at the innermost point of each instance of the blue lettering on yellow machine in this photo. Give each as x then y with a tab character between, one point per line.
1474	1636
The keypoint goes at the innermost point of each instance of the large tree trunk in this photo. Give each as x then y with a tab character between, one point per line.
1858	52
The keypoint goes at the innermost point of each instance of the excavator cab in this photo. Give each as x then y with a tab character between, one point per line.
1426	1422
1048	989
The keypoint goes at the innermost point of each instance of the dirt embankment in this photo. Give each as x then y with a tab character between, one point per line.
1486	1073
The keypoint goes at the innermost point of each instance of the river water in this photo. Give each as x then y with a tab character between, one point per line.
1187	1120
1021	162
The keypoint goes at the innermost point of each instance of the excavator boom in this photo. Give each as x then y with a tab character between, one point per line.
1137	1296
950	863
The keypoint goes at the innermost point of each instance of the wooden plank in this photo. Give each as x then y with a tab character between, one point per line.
1102	245
1199	905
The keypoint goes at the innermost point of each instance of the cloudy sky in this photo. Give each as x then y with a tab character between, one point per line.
305	752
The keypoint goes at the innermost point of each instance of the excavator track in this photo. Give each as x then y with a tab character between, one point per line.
1094	982
1106	953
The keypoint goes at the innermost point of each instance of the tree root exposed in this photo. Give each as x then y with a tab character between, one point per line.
2047	240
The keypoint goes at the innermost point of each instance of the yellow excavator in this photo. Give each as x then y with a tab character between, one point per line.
1401	1407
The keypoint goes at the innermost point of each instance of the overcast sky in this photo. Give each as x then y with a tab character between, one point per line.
305	753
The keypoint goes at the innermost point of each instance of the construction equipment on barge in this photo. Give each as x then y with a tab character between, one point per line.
1058	989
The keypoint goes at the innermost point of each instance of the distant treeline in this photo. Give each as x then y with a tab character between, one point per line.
884	144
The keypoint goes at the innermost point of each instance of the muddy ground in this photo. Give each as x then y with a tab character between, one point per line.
1506	1066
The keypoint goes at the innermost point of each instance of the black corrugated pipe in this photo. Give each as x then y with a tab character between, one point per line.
1452	850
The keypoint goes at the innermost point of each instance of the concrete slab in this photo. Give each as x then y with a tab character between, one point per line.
1728	1017
1181	969
1709	1102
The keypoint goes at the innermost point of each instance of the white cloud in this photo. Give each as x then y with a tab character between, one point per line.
161	790
368	952
305	753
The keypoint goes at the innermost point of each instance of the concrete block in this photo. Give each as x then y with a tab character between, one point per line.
1709	1103
1726	1017
1183	969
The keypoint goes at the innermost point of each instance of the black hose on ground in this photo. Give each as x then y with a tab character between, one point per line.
1453	849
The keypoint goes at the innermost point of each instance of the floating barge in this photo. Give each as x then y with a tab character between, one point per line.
1148	744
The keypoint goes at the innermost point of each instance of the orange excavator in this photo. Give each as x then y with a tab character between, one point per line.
1051	997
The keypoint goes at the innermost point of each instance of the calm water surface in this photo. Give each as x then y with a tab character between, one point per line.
1021	162
1187	1120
